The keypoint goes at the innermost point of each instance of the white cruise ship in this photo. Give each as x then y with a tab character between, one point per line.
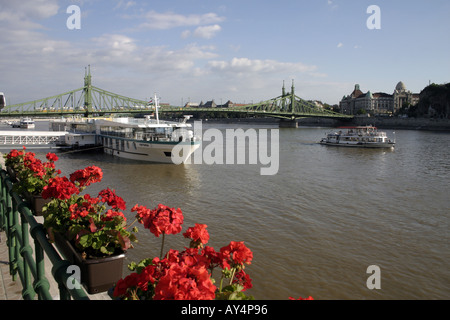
147	139
358	137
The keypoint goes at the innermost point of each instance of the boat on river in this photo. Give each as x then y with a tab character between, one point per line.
358	137
148	139
26	123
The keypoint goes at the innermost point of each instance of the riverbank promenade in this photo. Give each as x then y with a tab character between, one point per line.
9	289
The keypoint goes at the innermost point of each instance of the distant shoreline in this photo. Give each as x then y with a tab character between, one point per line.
430	124
380	122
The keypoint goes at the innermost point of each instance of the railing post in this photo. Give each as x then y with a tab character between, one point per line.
25	248
58	271
41	284
13	250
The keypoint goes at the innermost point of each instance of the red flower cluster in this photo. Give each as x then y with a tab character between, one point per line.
39	168
83	210
51	157
14	154
89	206
32	173
96	229
243	279
198	234
185	283
59	188
86	176
186	275
235	254
179	276
109	196
161	220
63	188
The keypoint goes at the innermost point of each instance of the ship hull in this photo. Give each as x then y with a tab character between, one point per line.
154	151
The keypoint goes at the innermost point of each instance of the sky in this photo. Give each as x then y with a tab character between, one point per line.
238	50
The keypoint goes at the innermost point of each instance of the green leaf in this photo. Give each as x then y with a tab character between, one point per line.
85	241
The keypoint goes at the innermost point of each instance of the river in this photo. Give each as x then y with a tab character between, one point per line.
318	224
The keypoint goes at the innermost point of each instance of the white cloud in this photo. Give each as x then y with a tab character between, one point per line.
207	32
331	4
20	15
29	9
124	5
114	45
245	66
186	34
169	20
340	45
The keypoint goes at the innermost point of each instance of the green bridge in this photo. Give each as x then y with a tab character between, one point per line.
90	100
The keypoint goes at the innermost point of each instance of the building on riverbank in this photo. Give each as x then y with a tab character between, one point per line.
378	103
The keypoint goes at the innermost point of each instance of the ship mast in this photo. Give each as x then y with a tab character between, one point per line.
156	109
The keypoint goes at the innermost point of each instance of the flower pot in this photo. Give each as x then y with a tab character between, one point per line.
37	202
97	274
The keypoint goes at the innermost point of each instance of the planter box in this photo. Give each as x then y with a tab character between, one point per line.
97	275
36	202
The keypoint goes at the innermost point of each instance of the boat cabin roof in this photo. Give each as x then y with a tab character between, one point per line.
357	127
140	123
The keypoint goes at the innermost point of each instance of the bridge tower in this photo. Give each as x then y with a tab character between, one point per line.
87	90
289	123
292	96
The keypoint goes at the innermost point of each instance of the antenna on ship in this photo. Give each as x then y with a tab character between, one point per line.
156	109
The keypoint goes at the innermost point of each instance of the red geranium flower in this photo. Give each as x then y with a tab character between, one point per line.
141	212
60	188
51	157
123	284
110	214
243	279
198	234
109	196
236	253
164	220
86	176
214	258
185	283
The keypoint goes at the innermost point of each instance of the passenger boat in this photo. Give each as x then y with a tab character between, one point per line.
358	137
148	139
26	123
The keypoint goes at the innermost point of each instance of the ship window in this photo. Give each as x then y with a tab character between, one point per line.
168	153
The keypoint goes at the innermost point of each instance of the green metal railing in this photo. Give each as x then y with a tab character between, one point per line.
17	220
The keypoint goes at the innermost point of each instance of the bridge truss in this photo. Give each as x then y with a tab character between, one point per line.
90	100
86	100
286	106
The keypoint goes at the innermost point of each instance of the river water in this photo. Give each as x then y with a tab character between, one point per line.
318	224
